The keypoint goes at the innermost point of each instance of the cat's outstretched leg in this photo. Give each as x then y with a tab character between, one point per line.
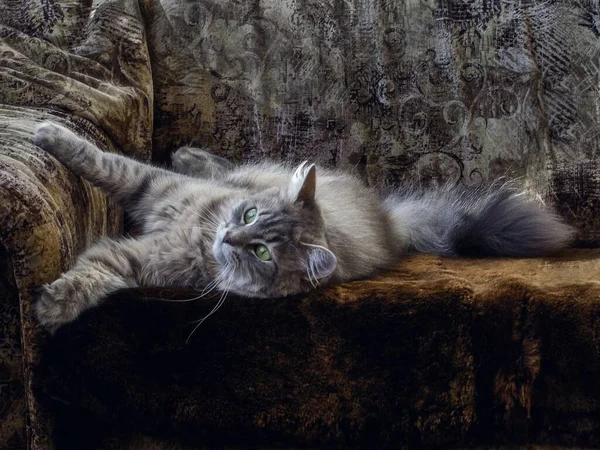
200	163
124	179
106	267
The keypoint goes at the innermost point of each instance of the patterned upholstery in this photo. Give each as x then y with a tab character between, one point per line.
440	89
92	73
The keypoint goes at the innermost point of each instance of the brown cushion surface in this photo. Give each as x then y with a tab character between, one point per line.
436	352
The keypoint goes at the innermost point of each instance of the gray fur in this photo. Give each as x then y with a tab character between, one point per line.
199	163
493	220
319	229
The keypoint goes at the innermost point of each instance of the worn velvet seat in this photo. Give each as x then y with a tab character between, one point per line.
438	352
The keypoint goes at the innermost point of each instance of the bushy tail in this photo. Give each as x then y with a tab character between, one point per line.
495	220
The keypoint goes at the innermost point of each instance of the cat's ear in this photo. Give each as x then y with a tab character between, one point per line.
304	183
321	262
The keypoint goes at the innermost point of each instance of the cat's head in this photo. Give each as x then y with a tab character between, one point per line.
273	243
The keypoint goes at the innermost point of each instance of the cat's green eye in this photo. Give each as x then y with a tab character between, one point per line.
250	216
262	252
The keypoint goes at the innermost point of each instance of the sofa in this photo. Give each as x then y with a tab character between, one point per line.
438	352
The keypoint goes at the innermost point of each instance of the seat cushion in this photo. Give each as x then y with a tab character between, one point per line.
437	352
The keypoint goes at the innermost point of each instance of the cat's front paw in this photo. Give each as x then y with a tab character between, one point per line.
57	304
54	138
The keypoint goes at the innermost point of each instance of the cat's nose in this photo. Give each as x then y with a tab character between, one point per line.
228	239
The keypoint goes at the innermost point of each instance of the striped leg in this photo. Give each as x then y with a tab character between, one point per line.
122	178
106	267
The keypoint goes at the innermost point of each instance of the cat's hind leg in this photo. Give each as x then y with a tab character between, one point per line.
200	163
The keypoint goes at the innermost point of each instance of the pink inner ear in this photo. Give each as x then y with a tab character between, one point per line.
321	261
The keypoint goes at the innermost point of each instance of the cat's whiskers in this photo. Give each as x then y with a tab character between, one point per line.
212	285
187	208
312	277
213	224
210	218
213	217
185	300
215	283
209	288
216	307
196	227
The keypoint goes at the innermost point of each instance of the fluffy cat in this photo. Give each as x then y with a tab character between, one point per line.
267	230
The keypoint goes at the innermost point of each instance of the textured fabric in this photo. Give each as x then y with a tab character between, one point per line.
83	64
445	89
12	389
437	352
48	217
86	58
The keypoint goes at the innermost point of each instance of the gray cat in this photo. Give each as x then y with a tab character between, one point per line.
267	230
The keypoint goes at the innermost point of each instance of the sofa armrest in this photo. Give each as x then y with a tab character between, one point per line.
84	64
47	217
